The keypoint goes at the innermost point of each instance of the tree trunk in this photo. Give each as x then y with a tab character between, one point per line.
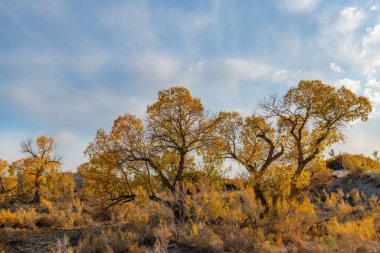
37	185
260	195
179	210
2	188
37	194
179	205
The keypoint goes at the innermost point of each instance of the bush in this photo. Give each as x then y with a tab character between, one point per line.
110	241
9	219
47	220
352	235
358	163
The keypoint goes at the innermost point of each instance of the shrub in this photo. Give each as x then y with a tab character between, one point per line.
354	162
9	219
294	220
201	237
48	220
352	235
110	241
28	217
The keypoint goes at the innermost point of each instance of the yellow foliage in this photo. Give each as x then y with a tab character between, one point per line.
331	200
354	162
35	168
294	218
364	229
276	182
196	227
8	182
303	180
8	218
212	208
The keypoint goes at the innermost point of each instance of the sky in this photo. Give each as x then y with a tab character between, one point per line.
68	68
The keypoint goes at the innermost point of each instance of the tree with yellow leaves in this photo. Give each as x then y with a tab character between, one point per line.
39	163
251	142
312	116
134	153
7	180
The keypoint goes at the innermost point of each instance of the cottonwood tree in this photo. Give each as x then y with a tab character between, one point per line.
313	115
40	162
251	142
7	180
163	147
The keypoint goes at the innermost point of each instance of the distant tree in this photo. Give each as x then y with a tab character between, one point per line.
375	156
313	115
251	142
332	153
175	129
60	186
7	180
39	163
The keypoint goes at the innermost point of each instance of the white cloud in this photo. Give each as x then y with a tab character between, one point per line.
353	85
350	19
374	7
335	67
361	138
156	68
243	69
373	37
281	75
298	5
372	91
225	76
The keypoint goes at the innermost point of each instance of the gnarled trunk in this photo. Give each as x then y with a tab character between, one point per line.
260	195
37	186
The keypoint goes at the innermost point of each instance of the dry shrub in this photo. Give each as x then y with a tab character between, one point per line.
28	217
321	176
63	246
331	201
199	236
7	218
221	221
151	221
355	162
292	222
229	208
111	242
48	220
352	235
66	214
211	206
237	239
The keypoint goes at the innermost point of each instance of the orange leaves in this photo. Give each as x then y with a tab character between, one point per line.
175	99
3	165
7	218
127	126
39	163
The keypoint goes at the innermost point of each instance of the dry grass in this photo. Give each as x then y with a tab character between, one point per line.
218	221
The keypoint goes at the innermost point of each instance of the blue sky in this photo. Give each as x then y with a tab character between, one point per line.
68	68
